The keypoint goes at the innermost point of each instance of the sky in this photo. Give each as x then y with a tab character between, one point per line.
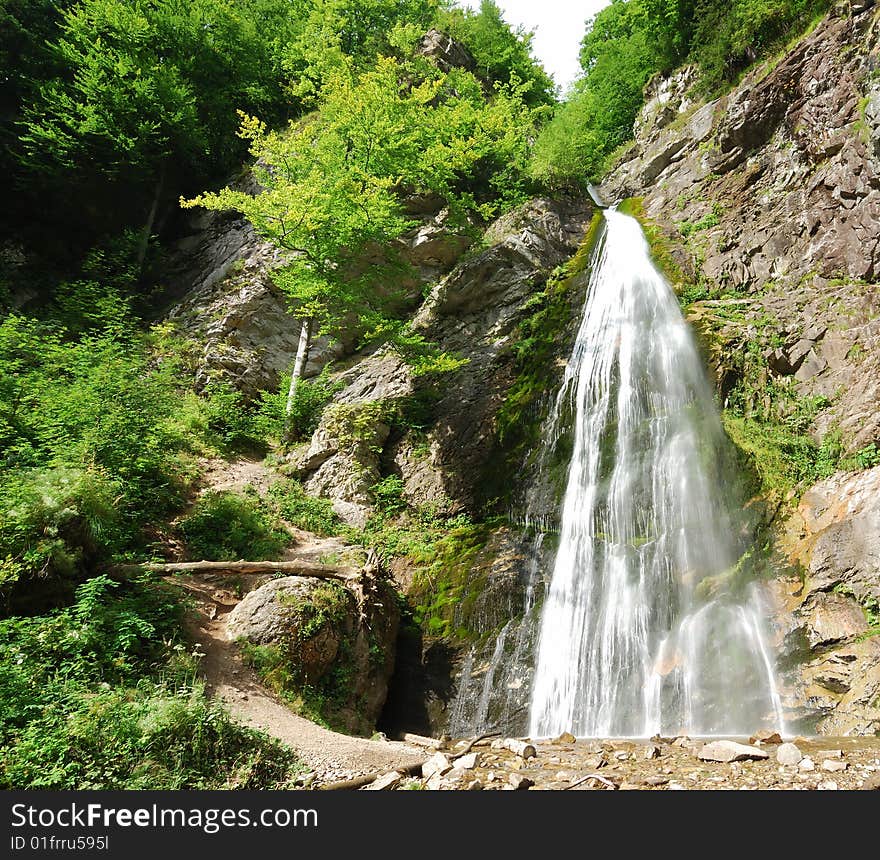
559	28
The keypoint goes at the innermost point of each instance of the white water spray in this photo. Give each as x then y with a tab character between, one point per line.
644	629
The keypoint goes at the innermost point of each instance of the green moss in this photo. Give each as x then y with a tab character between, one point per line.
536	351
279	666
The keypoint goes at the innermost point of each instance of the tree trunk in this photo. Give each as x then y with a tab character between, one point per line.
302	356
144	242
291	568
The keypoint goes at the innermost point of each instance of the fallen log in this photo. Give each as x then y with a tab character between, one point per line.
367	779
291	568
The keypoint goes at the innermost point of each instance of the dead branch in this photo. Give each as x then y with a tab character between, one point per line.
587	778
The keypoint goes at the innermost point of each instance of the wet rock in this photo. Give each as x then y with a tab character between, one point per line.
833	618
834	765
806	764
729	751
789	754
651	751
565	738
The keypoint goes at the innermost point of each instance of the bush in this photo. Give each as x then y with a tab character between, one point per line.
225	526
304	511
53	520
118	706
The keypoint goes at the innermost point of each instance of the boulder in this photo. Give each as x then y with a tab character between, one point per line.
789	754
323	634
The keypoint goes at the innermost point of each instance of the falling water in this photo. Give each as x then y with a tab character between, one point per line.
645	627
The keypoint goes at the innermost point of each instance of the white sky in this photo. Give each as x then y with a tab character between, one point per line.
558	26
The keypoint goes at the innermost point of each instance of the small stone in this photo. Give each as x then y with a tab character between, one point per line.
385	782
650	752
655	780
682	741
675	786
832	754
729	751
789	754
829	785
490	777
438	764
518	781
474	785
563	776
765	737
833	765
565	738
467	762
806	764
621	756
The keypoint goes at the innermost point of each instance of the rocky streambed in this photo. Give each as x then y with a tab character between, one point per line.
659	764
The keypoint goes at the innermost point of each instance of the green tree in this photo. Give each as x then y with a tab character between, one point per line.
502	54
144	102
330	185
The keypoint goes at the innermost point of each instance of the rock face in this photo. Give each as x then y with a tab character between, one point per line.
771	196
221	272
769	199
332	642
472	313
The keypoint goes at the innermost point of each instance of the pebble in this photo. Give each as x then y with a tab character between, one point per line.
833	765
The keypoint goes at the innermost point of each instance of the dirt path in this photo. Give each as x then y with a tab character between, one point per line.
329	755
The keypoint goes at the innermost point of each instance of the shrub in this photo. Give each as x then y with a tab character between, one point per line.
226	526
304	511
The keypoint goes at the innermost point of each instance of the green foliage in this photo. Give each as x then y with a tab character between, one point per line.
865	458
330	183
388	494
117	705
627	43
53	520
502	55
92	446
304	511
309	400
226	526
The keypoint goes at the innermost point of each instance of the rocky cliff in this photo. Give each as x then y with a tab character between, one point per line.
764	206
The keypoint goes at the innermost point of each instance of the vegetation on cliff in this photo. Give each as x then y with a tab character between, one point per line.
629	42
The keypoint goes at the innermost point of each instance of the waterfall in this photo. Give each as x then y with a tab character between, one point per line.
647	625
